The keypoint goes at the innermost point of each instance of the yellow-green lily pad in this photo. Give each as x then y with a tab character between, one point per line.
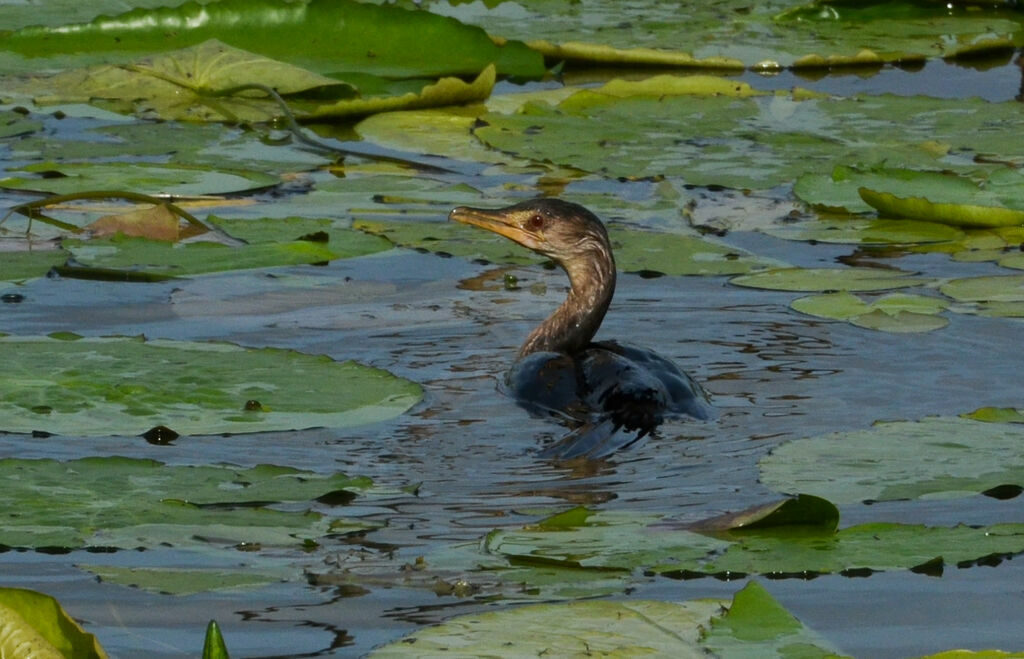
968	215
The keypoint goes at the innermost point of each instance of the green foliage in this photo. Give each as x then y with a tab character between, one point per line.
125	386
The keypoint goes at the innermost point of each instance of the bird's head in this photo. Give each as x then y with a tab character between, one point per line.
560	230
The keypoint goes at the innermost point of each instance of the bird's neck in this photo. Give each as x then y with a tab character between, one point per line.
572	326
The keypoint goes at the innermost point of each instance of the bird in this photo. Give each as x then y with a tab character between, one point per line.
610	394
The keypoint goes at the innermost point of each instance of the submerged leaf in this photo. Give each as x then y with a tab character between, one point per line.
896	312
119	386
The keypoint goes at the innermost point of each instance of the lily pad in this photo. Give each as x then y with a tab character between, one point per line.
828	279
841	188
34	624
322	35
128	503
146	178
270	243
866	232
13	124
996	415
897	312
767	35
968	215
589	627
742	139
628	541
999	288
125	386
18	266
937	457
208	82
757	625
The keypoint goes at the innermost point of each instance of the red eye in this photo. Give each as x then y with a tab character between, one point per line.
535	223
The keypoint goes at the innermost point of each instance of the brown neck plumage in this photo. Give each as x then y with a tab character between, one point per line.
571	327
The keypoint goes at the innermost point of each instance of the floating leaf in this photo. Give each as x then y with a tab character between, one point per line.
628	541
934	457
743	139
125	502
897	312
628	628
31	621
155	223
996	415
828	279
27	264
813	35
866	232
757	625
801	510
13	124
999	288
210	82
967	215
142	177
446	91
322	35
841	189
125	386
271	243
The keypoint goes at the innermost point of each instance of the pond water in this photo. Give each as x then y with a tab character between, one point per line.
450	325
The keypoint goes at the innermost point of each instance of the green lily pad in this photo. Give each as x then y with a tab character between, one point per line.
146	178
841	189
767	36
757	625
935	457
13	124
205	83
828	279
742	139
128	503
322	35
18	266
896	312
270	243
999	288
188	581
604	541
629	541
125	386
34	624
628	628
866	232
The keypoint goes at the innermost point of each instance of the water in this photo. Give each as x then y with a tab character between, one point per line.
445	323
